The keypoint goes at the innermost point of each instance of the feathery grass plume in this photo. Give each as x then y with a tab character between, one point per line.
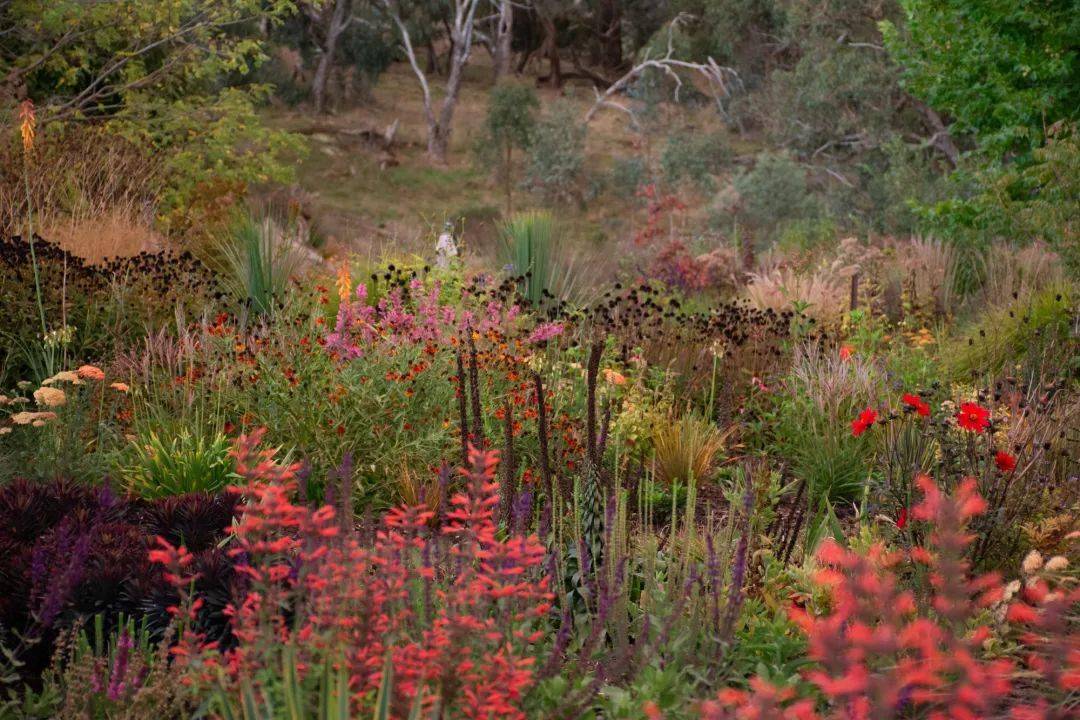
825	292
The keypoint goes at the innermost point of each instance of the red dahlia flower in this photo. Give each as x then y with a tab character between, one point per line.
862	423
1006	463
973	418
917	404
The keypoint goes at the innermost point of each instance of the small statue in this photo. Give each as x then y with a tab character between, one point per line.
446	247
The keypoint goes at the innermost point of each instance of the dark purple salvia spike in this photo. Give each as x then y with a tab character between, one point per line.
344	476
558	649
508	465
117	685
521	511
463	408
329	492
736	595
426	561
596	351
302	476
544	527
542	433
474	383
61	587
446	476
712	570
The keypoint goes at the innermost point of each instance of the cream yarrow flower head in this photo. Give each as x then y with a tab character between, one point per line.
63	376
1056	563
50	397
32	418
1032	563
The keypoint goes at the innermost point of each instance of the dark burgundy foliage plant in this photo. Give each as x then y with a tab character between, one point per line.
69	552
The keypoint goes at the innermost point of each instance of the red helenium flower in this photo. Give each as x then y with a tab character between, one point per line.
1005	462
917	404
973	418
862	423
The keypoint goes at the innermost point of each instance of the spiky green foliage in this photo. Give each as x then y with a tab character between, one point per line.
528	243
187	463
257	256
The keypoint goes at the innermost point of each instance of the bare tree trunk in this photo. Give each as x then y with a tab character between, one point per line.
941	138
461	37
611	34
551	51
504	33
333	26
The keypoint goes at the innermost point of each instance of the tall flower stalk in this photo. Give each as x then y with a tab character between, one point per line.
27	129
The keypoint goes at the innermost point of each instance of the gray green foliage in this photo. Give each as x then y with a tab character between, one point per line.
774	191
694	157
557	154
627	175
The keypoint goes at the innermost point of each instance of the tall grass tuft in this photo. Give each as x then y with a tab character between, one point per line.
528	246
257	256
686	449
189	463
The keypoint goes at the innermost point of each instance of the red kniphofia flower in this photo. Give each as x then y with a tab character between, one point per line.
901	519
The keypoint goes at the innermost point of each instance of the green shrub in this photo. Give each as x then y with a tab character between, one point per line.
627	175
694	157
186	464
774	191
508	126
557	155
